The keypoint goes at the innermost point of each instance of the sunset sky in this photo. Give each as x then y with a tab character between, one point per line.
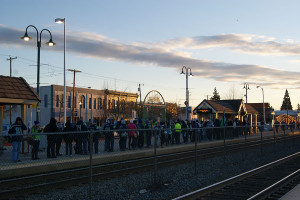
119	44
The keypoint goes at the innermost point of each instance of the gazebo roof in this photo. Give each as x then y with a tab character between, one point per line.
15	90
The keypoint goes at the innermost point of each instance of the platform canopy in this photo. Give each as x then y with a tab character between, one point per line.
16	91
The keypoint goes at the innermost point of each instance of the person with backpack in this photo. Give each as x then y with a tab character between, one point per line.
17	128
108	136
123	135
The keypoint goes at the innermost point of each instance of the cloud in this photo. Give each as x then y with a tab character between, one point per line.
245	43
165	55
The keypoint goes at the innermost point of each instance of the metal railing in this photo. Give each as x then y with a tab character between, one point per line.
99	143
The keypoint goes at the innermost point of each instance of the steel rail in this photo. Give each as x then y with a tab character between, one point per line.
203	191
273	188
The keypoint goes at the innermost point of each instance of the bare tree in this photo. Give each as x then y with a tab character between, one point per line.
233	93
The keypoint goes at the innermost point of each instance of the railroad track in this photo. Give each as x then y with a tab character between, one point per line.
270	181
23	186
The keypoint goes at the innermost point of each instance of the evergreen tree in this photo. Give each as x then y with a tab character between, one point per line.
286	104
216	95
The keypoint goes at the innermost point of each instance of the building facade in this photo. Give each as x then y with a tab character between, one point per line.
86	104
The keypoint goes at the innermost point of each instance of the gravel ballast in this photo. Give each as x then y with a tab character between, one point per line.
177	180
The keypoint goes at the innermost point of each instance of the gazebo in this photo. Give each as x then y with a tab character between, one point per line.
16	91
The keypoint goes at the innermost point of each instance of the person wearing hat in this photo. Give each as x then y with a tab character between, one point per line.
36	140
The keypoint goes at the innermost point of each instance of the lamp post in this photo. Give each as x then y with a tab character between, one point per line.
262	89
187	74
38	41
80	104
60	21
246	86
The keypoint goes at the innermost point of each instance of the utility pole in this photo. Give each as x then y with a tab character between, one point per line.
73	106
140	90
141	108
10	107
246	87
10	60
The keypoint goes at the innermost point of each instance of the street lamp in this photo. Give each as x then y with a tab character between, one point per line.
80	104
38	41
246	86
262	89
60	21
187	74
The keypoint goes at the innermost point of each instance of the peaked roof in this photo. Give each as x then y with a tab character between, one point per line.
251	109
227	106
15	90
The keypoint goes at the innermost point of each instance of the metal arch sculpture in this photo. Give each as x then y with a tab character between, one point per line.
154	98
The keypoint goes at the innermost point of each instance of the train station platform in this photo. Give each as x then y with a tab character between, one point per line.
294	194
27	166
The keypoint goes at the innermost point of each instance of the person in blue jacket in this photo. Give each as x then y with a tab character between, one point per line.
17	128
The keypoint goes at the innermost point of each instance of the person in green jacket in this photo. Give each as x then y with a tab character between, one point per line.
177	131
36	140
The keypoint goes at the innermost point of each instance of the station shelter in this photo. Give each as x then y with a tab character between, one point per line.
16	91
230	109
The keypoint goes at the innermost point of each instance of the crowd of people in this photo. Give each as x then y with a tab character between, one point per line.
133	134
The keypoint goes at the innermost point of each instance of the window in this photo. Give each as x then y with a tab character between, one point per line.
82	101
57	101
113	104
104	104
123	105
75	102
69	101
95	103
46	100
99	103
131	105
90	103
108	104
